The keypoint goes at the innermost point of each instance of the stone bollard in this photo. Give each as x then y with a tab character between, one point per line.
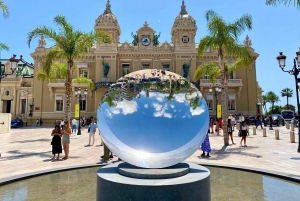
292	137
292	127
264	132
254	131
287	125
277	134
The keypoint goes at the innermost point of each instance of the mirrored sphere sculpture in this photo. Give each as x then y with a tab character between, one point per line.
153	118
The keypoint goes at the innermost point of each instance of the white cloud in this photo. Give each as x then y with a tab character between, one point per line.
127	107
197	111
146	105
180	97
161	111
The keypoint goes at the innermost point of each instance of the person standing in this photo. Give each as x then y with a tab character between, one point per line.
247	120
74	124
66	132
258	118
244	133
217	126
271	122
211	125
37	123
229	130
233	119
205	146
41	121
92	131
56	142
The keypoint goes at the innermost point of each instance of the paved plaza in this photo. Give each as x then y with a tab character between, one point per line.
27	151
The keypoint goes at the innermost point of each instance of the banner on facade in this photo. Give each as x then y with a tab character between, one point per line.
76	110
219	111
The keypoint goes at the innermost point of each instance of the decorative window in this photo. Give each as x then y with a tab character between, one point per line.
230	75
145	66
166	67
82	104
83	73
185	39
125	69
209	101
231	101
208	50
59	103
23	106
206	77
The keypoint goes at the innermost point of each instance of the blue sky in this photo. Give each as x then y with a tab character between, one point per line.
274	28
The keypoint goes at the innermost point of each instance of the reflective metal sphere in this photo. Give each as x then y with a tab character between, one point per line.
153	118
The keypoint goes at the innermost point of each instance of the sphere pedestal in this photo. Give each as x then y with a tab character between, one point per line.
182	182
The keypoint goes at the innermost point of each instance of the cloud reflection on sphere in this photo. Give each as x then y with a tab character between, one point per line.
153	118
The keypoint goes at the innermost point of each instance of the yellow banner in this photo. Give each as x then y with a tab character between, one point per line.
76	110
219	111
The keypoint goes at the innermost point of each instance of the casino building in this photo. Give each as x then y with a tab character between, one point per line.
105	63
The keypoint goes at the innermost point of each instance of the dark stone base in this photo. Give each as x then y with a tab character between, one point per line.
174	171
194	186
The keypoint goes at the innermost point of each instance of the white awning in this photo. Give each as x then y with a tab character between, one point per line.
82	65
209	97
231	96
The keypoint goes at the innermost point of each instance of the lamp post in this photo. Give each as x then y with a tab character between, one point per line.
258	107
295	71
217	91
79	93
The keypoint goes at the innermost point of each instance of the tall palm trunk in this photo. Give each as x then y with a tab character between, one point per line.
68	91
224	97
287	102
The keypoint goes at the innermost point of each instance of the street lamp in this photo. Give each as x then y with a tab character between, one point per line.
258	107
217	91
79	93
295	71
13	66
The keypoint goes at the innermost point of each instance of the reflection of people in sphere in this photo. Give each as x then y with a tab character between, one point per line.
205	147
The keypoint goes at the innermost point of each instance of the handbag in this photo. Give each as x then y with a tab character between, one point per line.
240	133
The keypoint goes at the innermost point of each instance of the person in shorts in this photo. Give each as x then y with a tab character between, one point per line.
229	130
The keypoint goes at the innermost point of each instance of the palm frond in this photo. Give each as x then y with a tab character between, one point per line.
243	54
204	44
85	81
64	26
210	68
211	14
4	8
43	30
52	55
3	46
242	24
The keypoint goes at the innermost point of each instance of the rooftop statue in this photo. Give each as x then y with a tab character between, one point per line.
155	39
135	39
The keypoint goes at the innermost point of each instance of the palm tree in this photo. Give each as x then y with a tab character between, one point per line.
285	2
288	93
69	45
265	100
273	98
223	37
5	14
58	72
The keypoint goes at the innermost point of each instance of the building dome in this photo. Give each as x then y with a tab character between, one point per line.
184	19
107	18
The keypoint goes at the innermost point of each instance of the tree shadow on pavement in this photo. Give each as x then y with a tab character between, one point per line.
222	153
20	155
38	140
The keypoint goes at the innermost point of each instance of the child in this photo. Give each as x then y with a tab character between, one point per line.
205	147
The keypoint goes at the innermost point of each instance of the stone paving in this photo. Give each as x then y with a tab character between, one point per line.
28	150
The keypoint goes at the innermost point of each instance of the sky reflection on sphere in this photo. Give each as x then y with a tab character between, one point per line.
153	118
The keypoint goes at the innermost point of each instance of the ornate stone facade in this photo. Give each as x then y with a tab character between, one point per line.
141	52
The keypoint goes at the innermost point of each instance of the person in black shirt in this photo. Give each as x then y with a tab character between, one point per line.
271	122
258	118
